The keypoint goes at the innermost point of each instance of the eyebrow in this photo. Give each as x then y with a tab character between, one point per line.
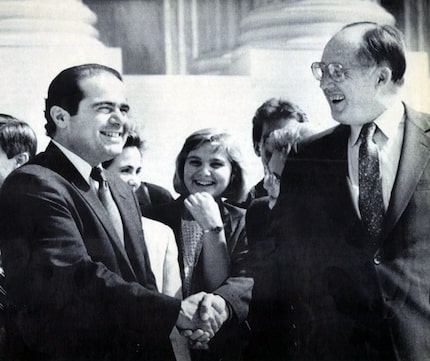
112	104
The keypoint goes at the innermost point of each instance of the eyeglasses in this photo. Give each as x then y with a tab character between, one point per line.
335	71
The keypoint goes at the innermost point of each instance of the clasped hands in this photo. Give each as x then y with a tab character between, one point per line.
200	318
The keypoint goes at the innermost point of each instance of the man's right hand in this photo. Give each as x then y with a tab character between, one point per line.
189	318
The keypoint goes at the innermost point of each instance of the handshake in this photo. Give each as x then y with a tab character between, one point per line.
201	316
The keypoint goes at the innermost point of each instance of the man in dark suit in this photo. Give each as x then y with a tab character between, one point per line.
77	270
349	243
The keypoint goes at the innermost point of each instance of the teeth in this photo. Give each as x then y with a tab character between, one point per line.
204	183
112	134
335	97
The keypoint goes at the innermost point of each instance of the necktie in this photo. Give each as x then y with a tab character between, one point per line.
370	200
106	199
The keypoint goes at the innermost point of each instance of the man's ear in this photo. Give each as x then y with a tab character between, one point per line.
21	159
60	116
384	75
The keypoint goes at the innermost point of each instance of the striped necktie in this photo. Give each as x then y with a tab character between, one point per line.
106	199
370	199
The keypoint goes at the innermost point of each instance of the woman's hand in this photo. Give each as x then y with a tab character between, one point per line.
204	210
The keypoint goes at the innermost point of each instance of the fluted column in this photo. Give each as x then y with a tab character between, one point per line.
47	23
39	38
291	25
306	24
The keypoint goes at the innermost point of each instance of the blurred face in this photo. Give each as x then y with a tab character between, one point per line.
207	169
6	166
354	100
99	129
268	128
128	166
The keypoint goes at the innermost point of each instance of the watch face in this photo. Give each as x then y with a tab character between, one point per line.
216	229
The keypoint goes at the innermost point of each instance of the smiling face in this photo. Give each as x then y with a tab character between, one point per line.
355	99
97	132
207	169
128	166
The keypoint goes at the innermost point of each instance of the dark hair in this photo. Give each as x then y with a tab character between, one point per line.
16	137
65	92
382	44
133	140
237	187
273	110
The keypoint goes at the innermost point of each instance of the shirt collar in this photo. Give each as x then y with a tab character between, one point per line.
387	123
81	165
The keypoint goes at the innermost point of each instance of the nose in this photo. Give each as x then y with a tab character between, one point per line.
205	170
117	118
133	182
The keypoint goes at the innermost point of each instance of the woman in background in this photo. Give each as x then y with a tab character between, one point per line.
210	235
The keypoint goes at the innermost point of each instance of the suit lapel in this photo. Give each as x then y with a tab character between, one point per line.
59	163
414	159
134	240
97	207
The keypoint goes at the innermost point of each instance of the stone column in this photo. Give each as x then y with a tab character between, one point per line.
39	38
279	40
291	25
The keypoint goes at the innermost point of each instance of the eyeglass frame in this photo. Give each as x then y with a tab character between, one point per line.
329	66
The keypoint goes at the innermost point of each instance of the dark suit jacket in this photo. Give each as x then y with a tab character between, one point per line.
236	289
338	296
77	292
150	195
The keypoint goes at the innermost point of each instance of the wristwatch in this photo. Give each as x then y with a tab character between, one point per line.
216	229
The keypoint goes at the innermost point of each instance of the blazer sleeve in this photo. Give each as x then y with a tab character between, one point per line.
237	289
54	283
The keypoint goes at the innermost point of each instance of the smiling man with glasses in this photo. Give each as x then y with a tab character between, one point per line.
349	240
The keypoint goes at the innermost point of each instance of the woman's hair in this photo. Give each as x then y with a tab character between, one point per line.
236	189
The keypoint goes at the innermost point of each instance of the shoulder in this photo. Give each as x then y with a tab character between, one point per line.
167	213
158	191
232	210
422	120
233	214
257	207
325	144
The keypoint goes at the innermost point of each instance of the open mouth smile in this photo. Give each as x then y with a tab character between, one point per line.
204	183
111	134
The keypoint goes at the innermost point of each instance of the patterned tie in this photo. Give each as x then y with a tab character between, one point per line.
370	200
105	197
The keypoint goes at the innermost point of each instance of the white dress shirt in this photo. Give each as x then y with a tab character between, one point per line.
83	167
389	138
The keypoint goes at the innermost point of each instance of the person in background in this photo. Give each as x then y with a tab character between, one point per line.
148	194
77	270
278	145
159	238
271	115
349	239
18	144
210	234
